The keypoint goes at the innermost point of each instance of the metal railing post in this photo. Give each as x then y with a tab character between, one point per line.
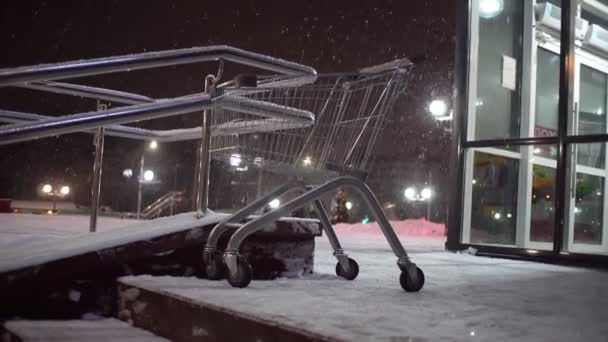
97	168
140	184
202	195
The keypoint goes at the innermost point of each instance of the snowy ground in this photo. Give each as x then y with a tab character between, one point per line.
19	229
40	204
67	236
80	330
466	298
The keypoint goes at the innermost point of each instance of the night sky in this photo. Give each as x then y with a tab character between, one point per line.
328	35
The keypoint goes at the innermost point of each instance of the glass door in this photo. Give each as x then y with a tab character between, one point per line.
540	223
587	205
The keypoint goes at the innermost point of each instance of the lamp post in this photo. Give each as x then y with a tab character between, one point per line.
425	195
440	110
48	190
145	176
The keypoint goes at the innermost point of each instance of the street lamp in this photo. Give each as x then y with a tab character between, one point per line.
440	109
235	159
148	176
489	9
348	205
143	175
425	195
410	193
58	191
307	161
275	203
127	173
65	190
47	188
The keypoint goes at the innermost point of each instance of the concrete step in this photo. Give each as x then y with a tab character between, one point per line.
182	319
109	329
64	279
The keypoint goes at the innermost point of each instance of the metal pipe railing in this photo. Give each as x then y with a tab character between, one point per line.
97	66
96	184
170	135
88	92
86	121
204	153
40	127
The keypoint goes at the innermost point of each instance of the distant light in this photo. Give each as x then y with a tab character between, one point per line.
532	251
599	111
547	196
509	215
438	108
47	188
537	150
65	190
479	103
235	159
50	212
242	169
365	220
497	216
472	333
598	193
426	193
307	161
148	175
127	173
577	210
410	193
275	203
489	9
153	145
474	181
349	205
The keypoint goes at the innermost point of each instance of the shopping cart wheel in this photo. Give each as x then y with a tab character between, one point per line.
215	268
243	276
352	273
412	284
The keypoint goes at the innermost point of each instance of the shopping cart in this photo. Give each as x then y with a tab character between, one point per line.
350	113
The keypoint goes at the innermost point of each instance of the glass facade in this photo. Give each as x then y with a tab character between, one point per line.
497	103
511	128
494	199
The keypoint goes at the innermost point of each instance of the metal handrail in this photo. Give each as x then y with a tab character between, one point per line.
161	204
169	135
88	91
98	66
85	121
158	200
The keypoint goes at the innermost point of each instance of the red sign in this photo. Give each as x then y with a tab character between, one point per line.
540	131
